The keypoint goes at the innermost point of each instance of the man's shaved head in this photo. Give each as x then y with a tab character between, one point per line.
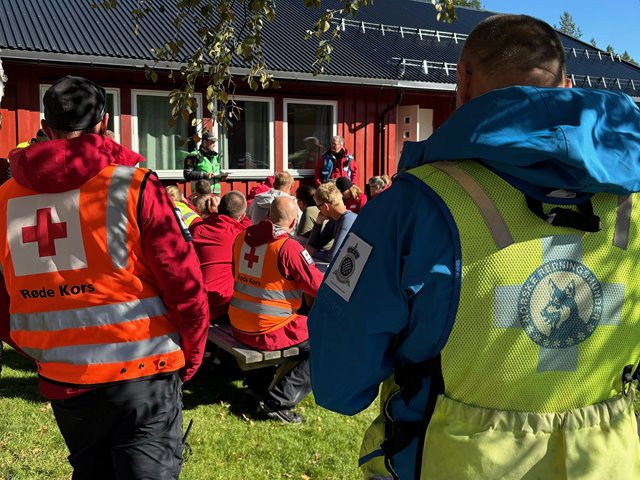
509	50
283	212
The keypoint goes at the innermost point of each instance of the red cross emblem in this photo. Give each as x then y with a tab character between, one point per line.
251	257
45	232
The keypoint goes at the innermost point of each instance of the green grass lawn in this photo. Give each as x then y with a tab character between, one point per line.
227	442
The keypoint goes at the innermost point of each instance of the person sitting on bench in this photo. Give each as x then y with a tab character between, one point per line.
272	272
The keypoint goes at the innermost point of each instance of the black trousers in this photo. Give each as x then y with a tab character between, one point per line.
128	431
294	385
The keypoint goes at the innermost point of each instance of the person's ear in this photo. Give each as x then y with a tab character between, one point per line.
45	127
567	83
463	93
103	124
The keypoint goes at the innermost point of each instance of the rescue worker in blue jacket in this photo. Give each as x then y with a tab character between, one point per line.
501	310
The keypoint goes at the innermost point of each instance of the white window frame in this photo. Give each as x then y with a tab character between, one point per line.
116	107
252	173
135	144
303	172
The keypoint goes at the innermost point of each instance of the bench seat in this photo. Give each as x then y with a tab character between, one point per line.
248	358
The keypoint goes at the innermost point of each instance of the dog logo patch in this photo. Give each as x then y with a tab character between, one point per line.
560	304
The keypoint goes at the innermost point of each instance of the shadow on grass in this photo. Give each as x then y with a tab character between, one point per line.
220	383
12	359
20	387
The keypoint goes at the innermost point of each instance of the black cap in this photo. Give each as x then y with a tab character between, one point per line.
208	136
343	183
74	103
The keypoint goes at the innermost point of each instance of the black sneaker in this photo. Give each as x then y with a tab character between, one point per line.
284	415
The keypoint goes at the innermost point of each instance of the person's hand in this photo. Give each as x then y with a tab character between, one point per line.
210	175
212	204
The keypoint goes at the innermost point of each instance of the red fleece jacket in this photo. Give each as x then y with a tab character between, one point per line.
213	238
61	165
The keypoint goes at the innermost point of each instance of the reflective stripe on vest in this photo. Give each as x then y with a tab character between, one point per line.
117	215
109	353
88	317
267	294
260	309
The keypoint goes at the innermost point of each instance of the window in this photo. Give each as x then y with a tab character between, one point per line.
112	107
246	145
308	128
163	148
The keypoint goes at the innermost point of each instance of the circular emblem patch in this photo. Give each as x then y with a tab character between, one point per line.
560	304
347	265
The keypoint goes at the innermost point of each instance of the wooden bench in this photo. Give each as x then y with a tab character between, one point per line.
248	358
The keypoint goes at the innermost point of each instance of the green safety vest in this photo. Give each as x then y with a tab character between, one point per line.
208	165
548	319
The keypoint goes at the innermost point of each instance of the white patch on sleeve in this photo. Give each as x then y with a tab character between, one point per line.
347	268
307	257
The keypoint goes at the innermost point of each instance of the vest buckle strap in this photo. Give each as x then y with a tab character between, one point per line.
397	435
584	219
627	378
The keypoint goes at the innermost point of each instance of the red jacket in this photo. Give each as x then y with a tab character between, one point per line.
213	239
356	205
341	166
62	165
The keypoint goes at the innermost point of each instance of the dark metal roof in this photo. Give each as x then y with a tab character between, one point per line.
392	42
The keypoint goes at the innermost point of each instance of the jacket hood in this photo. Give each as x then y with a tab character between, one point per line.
556	138
263	232
264	200
60	165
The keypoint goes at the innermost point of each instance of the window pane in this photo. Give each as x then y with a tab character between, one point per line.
163	147
110	108
248	139
309	131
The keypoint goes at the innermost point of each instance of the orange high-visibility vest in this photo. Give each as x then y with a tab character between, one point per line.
82	305
263	299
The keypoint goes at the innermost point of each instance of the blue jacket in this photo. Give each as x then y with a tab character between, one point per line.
540	141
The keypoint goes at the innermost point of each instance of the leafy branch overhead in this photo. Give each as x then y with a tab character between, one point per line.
228	29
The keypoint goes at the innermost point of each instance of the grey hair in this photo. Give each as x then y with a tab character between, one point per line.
338	138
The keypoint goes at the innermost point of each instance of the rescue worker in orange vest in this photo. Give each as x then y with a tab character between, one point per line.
272	272
106	295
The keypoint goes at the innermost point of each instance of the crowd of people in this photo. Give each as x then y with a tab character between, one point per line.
262	263
487	299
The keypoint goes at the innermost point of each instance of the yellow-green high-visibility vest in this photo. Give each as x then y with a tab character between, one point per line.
548	319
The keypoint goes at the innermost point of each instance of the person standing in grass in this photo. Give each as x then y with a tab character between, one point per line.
101	289
493	287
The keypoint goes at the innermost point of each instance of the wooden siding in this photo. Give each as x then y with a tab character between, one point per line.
358	112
